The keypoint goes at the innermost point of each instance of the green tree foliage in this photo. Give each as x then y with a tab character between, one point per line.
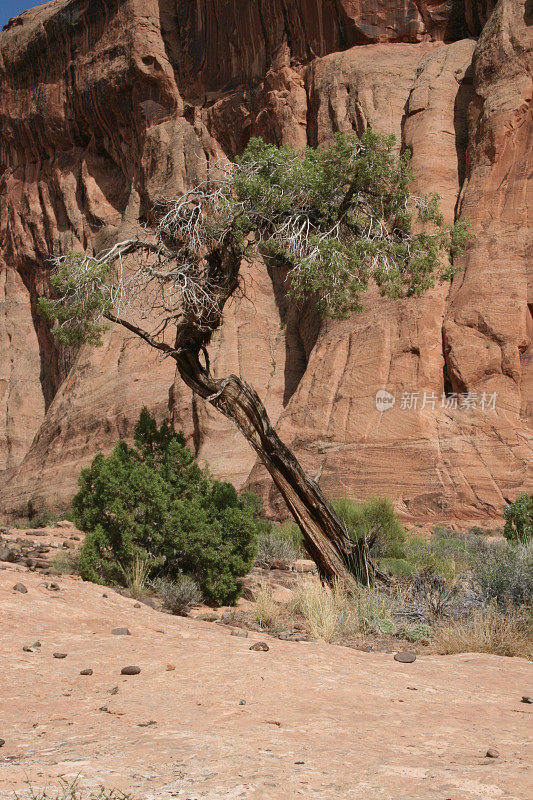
342	215
335	218
154	502
519	519
85	299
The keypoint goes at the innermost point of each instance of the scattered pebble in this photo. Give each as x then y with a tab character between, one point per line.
405	657
36	644
136	605
242	702
86	672
130	670
19	587
2	742
239	632
114	690
121	632
147	724
60	655
27	649
170	667
104	595
526	699
54	587
492	753
260	646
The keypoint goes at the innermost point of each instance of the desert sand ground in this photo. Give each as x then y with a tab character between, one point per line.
318	721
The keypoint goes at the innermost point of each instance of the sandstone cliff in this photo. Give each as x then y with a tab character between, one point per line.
107	105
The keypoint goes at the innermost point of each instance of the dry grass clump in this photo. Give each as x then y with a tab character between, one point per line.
333	613
136	576
268	613
489	630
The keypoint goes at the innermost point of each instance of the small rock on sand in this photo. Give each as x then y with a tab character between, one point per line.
86	672
121	632
19	587
405	657
60	655
130	670
260	646
492	753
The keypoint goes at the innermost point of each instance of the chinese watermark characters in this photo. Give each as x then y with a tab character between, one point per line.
418	401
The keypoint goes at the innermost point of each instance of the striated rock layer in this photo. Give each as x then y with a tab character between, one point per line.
107	106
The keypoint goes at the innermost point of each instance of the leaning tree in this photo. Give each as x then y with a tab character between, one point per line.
334	219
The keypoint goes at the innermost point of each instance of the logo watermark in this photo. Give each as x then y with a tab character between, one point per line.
418	401
384	400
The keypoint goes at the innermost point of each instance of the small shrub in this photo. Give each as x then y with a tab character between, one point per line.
519	519
376	516
488	630
447	554
293	533
275	545
477	530
44	519
154	502
66	563
442	531
416	634
504	573
420	633
433	593
178	595
387	627
397	567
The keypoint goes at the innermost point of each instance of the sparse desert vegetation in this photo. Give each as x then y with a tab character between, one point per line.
451	592
73	791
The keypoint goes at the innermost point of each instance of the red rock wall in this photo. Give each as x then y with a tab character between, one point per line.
106	106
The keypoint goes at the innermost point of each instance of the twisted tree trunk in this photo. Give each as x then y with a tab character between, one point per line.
336	555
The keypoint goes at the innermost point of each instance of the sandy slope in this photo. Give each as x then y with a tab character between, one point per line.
363	725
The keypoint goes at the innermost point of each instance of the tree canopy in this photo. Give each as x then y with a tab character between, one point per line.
334	218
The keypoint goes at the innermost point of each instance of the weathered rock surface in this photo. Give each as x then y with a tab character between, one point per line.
107	106
298	701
